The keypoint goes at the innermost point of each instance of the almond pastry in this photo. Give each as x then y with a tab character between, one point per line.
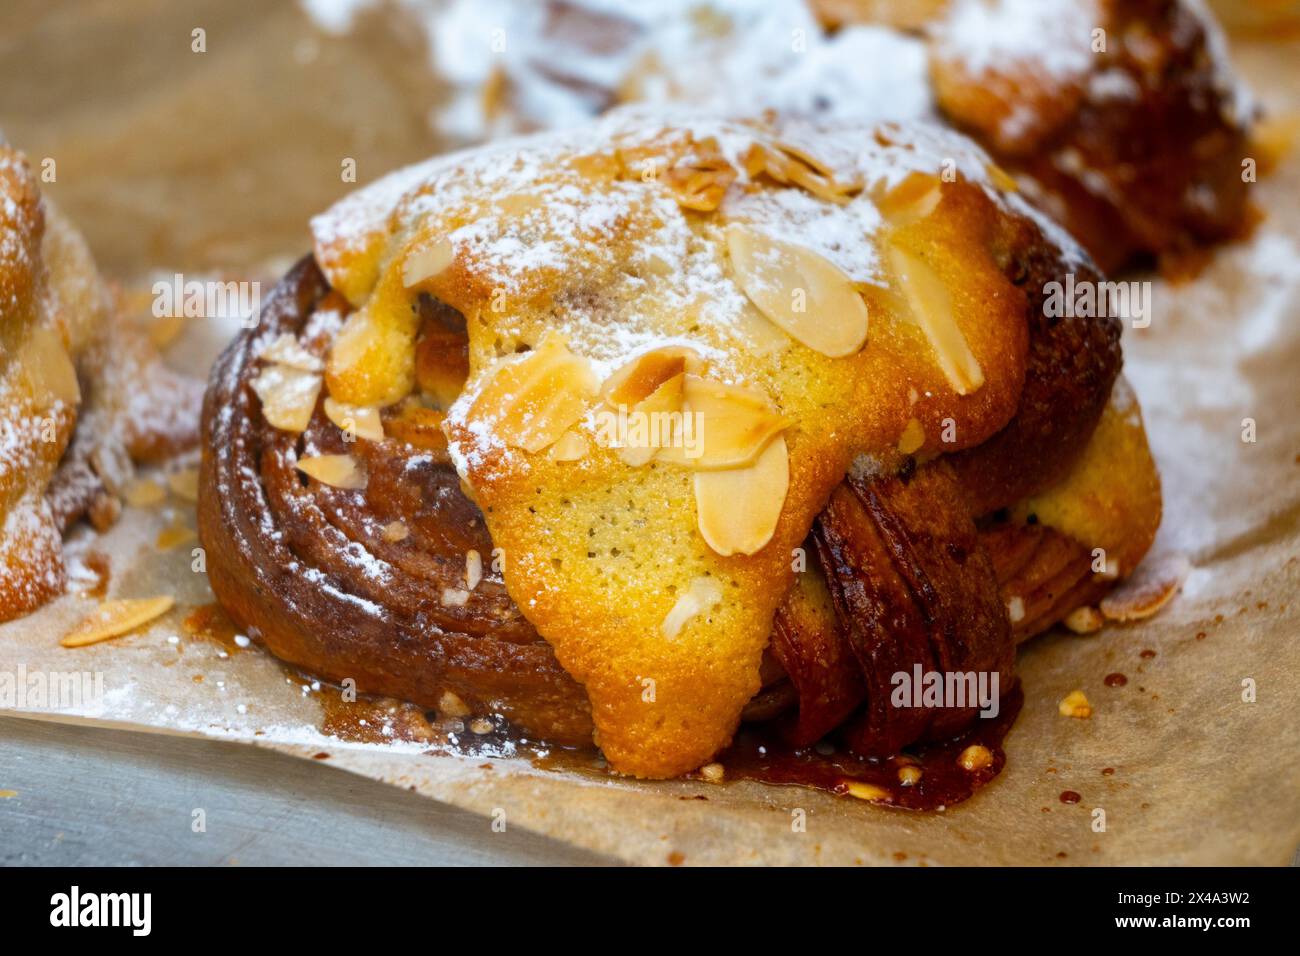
675	529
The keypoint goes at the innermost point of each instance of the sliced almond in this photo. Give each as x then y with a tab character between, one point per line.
426	261
801	292
115	618
48	368
702	596
358	420
173	536
737	510
912	200
473	569
144	493
184	484
288	396
1152	586
637	379
454	597
1001	179
571	446
913	437
337	471
531	400
734	425
287	350
932	308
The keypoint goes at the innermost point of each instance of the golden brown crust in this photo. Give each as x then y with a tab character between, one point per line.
280	559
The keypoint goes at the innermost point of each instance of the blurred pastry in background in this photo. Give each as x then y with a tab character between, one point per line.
1123	119
84	394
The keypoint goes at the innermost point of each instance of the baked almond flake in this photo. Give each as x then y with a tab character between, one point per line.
737	510
790	165
285	349
1001	179
144	493
866	791
184	484
635	380
533	399
426	261
115	618
913	437
356	420
932	308
700	185
337	471
800	291
48	368
733	425
288	396
473	569
174	535
571	446
702	596
912	200
1152	586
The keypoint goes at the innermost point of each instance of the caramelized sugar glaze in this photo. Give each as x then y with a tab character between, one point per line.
912	560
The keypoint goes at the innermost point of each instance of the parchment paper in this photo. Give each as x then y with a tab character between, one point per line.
1199	775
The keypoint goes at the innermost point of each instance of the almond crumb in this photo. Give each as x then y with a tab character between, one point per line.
1084	620
866	791
975	757
450	705
1016	609
395	531
1076	705
454	597
713	772
144	493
